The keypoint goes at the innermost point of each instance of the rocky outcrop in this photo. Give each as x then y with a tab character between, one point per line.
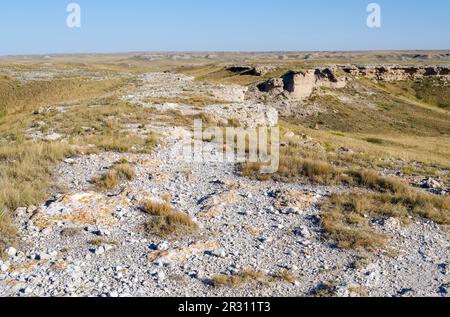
259	70
395	72
301	84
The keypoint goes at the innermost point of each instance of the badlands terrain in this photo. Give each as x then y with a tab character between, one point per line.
97	198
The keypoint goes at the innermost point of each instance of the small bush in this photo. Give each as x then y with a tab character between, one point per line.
107	181
166	221
112	178
125	171
157	209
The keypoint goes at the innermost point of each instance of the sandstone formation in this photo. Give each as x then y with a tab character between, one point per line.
301	84
395	72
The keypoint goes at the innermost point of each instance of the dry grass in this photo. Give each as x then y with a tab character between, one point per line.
293	167
25	170
101	241
372	180
125	171
19	97
346	219
107	181
121	142
346	216
8	232
194	101
26	166
252	276
159	209
112	178
237	280
287	276
166	221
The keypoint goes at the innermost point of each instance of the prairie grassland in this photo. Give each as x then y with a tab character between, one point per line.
220	75
25	164
430	153
379	113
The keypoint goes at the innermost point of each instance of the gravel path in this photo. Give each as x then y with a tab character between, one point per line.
86	243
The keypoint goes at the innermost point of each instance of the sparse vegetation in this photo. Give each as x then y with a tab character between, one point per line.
125	171
237	280
346	216
112	178
287	276
325	289
25	170
166	221
194	101
107	181
8	232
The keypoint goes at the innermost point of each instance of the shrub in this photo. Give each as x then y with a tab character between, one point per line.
125	171
108	181
166	221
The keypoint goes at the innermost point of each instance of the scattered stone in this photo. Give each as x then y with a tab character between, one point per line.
430	183
11	252
4	267
303	232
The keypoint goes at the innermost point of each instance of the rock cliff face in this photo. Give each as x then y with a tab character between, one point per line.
395	73
301	84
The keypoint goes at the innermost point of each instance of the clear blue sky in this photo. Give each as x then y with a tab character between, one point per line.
39	26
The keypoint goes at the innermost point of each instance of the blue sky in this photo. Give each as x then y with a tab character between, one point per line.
39	26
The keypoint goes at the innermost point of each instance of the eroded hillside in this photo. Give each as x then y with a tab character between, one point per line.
98	199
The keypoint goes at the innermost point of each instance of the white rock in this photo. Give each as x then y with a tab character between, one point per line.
4	267
99	250
164	246
219	253
46	231
108	247
113	294
11	252
52	137
303	231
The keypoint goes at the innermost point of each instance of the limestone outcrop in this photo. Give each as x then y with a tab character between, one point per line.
301	84
396	72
